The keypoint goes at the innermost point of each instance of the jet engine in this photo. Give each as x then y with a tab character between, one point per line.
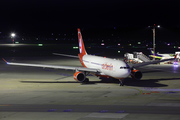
79	76
136	74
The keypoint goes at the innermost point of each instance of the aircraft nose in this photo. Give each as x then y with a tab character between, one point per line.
127	72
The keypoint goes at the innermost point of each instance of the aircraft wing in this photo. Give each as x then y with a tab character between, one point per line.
151	62
66	55
55	66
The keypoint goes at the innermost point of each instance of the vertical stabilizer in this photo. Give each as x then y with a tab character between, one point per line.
81	44
152	52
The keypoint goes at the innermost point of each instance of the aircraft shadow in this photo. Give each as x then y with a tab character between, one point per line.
84	83
152	71
138	83
48	81
147	83
103	80
127	82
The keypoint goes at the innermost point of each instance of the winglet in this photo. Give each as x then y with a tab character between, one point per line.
5	61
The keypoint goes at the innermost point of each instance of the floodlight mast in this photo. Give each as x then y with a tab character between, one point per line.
12	36
154	44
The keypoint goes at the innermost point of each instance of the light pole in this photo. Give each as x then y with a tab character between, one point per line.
154	44
12	36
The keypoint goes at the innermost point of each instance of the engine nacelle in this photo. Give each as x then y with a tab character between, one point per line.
136	74
79	76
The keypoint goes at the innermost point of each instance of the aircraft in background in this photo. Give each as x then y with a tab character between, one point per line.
98	66
160	56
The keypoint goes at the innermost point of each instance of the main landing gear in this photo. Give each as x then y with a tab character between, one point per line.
86	80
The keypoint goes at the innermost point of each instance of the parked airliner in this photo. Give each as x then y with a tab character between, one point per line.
98	66
160	56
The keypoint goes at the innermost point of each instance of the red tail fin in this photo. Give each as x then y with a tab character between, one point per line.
175	56
81	44
175	60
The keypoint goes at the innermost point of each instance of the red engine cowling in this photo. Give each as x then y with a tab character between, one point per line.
79	76
136	74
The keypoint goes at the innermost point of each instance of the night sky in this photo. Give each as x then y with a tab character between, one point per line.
58	15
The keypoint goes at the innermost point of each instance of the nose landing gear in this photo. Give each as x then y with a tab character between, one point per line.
121	82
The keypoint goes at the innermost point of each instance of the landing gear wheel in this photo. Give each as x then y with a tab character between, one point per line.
86	80
121	84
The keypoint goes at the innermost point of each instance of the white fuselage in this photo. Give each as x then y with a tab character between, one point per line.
108	67
166	56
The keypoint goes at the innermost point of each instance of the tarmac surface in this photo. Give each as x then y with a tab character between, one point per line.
41	93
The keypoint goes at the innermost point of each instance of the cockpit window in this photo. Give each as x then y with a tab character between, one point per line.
124	67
